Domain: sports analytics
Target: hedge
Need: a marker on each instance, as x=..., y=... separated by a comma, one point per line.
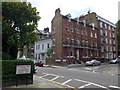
x=9, y=69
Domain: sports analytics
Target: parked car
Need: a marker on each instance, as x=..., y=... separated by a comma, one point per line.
x=93, y=62
x=40, y=64
x=114, y=61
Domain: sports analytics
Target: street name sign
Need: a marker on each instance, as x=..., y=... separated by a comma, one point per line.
x=23, y=69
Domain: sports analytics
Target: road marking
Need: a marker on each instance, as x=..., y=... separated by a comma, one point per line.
x=55, y=82
x=55, y=78
x=44, y=75
x=67, y=81
x=88, y=68
x=81, y=80
x=84, y=85
x=92, y=83
x=100, y=86
x=73, y=69
x=114, y=87
x=53, y=74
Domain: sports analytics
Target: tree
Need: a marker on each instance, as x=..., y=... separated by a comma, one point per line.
x=118, y=26
x=19, y=20
x=49, y=52
x=118, y=35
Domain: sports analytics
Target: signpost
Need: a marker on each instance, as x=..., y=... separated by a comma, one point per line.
x=23, y=69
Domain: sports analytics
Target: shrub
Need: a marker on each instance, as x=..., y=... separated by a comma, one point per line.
x=9, y=69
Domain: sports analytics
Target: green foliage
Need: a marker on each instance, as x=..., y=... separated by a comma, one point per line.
x=118, y=26
x=6, y=56
x=49, y=52
x=19, y=20
x=9, y=69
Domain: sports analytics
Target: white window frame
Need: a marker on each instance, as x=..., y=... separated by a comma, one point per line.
x=105, y=33
x=114, y=42
x=95, y=35
x=91, y=34
x=101, y=32
x=106, y=40
x=113, y=35
x=109, y=34
x=109, y=27
x=101, y=24
x=106, y=48
x=113, y=29
x=110, y=48
x=110, y=41
x=105, y=26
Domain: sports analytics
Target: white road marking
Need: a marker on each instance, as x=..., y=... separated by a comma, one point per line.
x=100, y=86
x=88, y=68
x=55, y=78
x=92, y=83
x=44, y=75
x=67, y=81
x=73, y=69
x=84, y=85
x=81, y=80
x=114, y=87
x=53, y=74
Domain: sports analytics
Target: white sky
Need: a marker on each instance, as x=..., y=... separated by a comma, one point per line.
x=107, y=9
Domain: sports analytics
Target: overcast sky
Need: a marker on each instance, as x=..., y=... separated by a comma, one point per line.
x=107, y=9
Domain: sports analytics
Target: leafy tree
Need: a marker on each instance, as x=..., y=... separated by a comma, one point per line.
x=19, y=20
x=118, y=35
x=49, y=52
x=118, y=26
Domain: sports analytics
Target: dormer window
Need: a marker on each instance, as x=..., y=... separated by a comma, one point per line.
x=69, y=17
x=77, y=19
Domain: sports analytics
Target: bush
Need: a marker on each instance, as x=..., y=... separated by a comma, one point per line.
x=9, y=69
x=6, y=56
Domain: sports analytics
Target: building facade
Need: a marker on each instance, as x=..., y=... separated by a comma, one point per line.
x=40, y=50
x=73, y=39
x=108, y=41
x=42, y=35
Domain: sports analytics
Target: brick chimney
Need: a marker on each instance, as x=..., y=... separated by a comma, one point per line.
x=57, y=12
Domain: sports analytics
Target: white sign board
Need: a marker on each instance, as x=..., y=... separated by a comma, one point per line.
x=64, y=60
x=23, y=69
x=58, y=60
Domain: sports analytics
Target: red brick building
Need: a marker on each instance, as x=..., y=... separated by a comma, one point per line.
x=108, y=41
x=74, y=40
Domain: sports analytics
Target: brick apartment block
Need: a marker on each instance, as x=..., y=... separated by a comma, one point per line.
x=84, y=38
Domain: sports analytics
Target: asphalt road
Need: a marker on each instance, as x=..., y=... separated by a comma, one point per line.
x=83, y=77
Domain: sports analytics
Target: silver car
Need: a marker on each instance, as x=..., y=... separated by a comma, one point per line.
x=93, y=62
x=114, y=61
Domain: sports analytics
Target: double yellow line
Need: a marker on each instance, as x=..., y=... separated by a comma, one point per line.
x=68, y=86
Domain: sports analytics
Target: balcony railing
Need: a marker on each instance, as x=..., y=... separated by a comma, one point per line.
x=66, y=44
x=76, y=45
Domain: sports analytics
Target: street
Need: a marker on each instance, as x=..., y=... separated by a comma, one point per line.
x=104, y=76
